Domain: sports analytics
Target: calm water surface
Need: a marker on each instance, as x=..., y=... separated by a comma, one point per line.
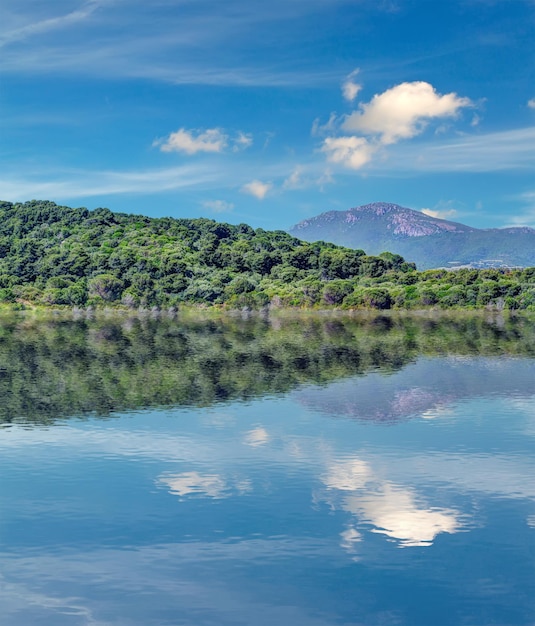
x=390, y=483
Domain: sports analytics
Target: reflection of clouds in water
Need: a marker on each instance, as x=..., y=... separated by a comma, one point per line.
x=192, y=482
x=350, y=538
x=216, y=419
x=531, y=521
x=439, y=411
x=210, y=485
x=294, y=449
x=348, y=475
x=391, y=509
x=25, y=605
x=257, y=437
x=526, y=408
x=190, y=583
x=494, y=474
x=394, y=512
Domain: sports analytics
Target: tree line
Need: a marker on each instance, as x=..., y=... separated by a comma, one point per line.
x=56, y=255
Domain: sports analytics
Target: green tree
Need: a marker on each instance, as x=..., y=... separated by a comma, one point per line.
x=106, y=286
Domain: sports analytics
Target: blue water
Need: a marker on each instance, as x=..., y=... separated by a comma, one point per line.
x=405, y=498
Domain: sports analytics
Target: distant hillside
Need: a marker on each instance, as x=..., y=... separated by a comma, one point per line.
x=51, y=254
x=425, y=240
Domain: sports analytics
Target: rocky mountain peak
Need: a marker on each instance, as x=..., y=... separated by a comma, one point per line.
x=426, y=240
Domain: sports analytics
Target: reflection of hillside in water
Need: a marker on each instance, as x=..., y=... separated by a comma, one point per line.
x=425, y=388
x=60, y=366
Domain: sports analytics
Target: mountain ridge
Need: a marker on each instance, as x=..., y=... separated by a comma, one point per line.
x=429, y=241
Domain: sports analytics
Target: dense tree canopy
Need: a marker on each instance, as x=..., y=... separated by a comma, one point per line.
x=57, y=255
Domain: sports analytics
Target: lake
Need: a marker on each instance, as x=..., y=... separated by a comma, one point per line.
x=299, y=470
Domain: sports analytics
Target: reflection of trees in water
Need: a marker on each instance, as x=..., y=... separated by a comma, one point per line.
x=60, y=367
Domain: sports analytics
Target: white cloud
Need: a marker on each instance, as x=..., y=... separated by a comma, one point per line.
x=191, y=141
x=531, y=103
x=353, y=152
x=403, y=111
x=351, y=89
x=218, y=206
x=441, y=215
x=209, y=140
x=318, y=129
x=257, y=188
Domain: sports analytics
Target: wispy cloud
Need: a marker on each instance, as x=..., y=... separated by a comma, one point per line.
x=219, y=179
x=174, y=41
x=350, y=89
x=295, y=179
x=504, y=151
x=531, y=103
x=45, y=25
x=490, y=152
x=526, y=216
x=321, y=130
x=303, y=177
x=82, y=184
x=242, y=141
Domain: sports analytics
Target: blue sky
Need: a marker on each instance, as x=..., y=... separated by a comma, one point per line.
x=271, y=112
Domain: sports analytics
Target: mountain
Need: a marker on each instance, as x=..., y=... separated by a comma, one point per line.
x=427, y=241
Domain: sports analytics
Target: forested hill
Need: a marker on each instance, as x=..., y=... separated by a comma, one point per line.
x=56, y=255
x=53, y=254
